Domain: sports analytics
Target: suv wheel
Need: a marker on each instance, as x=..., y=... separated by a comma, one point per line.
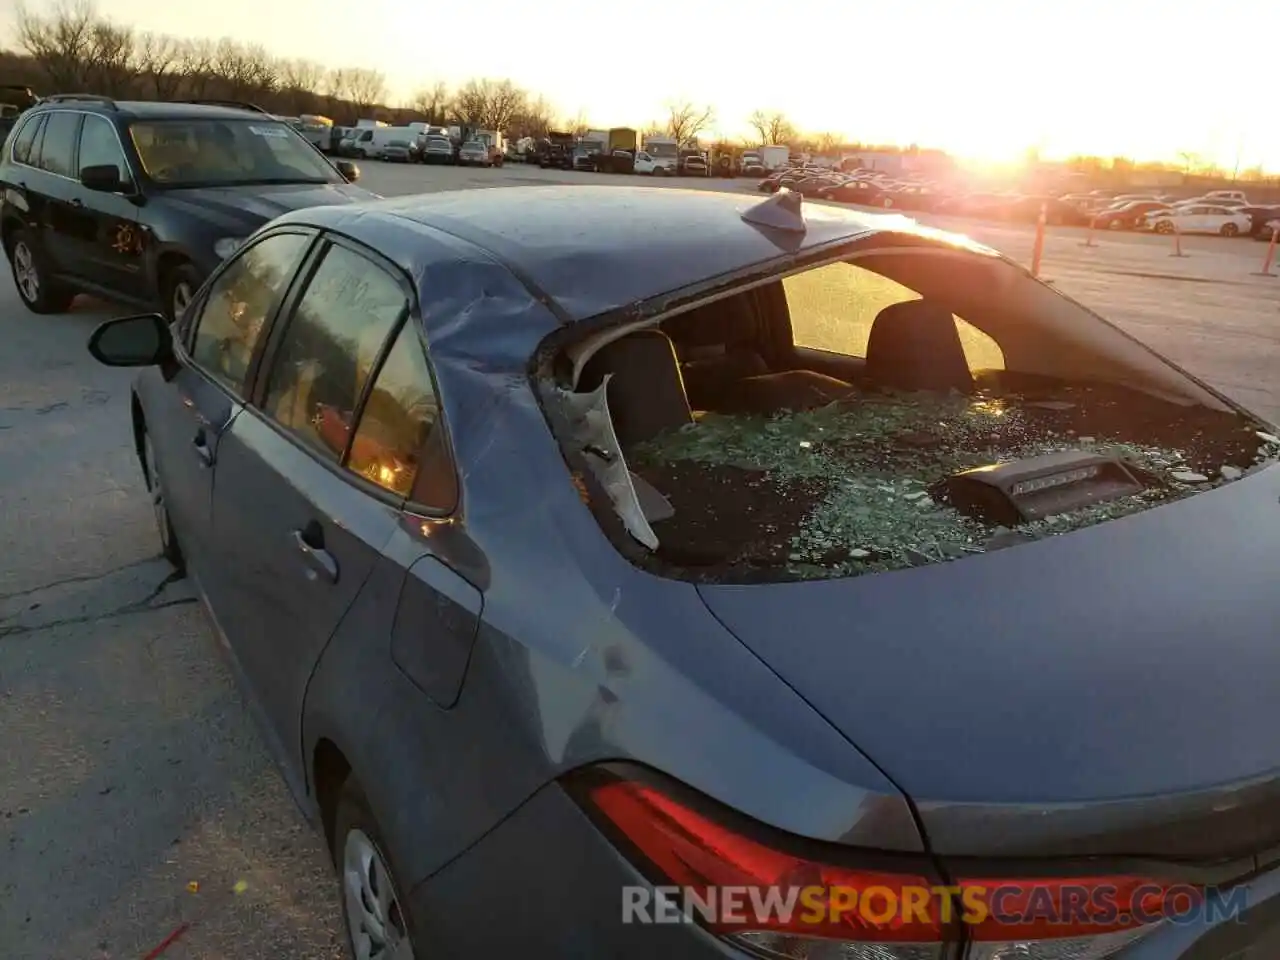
x=39, y=292
x=178, y=289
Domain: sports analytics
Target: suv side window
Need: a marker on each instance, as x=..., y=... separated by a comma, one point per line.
x=329, y=348
x=100, y=147
x=58, y=148
x=396, y=422
x=25, y=139
x=240, y=302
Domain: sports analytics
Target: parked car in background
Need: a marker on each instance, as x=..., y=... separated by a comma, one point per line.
x=474, y=153
x=694, y=164
x=630, y=658
x=138, y=202
x=399, y=151
x=1199, y=218
x=436, y=149
x=1127, y=216
x=648, y=164
x=1265, y=230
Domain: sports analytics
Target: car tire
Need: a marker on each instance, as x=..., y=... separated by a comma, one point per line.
x=367, y=885
x=1164, y=226
x=659, y=171
x=170, y=549
x=38, y=292
x=1229, y=230
x=178, y=287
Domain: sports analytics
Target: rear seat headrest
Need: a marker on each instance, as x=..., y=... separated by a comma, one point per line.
x=915, y=345
x=646, y=393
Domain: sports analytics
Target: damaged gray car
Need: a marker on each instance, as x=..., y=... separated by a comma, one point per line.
x=601, y=541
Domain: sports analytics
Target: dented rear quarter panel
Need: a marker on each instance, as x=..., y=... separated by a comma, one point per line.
x=581, y=657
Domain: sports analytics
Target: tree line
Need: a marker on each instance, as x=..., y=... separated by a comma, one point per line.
x=74, y=49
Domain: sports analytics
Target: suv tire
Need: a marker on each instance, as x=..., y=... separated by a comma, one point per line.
x=39, y=292
x=178, y=287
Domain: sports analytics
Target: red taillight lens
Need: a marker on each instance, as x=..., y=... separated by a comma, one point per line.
x=786, y=893
x=790, y=896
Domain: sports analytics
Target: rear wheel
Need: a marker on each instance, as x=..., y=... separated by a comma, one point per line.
x=1164, y=226
x=40, y=293
x=378, y=926
x=1229, y=230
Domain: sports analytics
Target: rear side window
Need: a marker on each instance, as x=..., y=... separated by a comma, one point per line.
x=832, y=309
x=240, y=302
x=399, y=417
x=58, y=147
x=330, y=347
x=26, y=138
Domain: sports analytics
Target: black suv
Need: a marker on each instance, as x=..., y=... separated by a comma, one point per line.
x=138, y=202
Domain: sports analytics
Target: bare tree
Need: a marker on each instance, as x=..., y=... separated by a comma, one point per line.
x=826, y=143
x=491, y=104
x=772, y=127
x=111, y=63
x=533, y=121
x=159, y=64
x=243, y=72
x=685, y=121
x=301, y=81
x=432, y=102
x=59, y=43
x=365, y=88
x=195, y=64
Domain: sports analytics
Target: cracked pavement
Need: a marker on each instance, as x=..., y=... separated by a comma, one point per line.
x=129, y=766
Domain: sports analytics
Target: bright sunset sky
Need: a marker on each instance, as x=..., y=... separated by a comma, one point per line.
x=985, y=79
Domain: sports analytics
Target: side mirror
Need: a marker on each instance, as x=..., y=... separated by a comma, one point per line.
x=350, y=172
x=103, y=179
x=144, y=340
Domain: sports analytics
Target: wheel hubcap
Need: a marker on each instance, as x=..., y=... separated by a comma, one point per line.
x=25, y=273
x=374, y=918
x=157, y=494
x=181, y=298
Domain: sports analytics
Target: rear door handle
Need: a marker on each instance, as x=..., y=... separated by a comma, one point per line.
x=203, y=450
x=320, y=562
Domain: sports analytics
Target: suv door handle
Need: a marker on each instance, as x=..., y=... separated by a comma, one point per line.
x=203, y=450
x=320, y=562
x=77, y=202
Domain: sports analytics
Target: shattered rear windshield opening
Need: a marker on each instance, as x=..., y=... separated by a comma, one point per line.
x=823, y=454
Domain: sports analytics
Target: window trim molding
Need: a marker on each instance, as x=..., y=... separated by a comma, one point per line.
x=255, y=399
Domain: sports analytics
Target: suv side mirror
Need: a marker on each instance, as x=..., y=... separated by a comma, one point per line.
x=104, y=178
x=144, y=340
x=350, y=172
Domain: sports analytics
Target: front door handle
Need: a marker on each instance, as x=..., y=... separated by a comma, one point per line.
x=203, y=450
x=319, y=561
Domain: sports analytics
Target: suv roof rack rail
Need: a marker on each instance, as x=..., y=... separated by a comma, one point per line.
x=79, y=97
x=237, y=104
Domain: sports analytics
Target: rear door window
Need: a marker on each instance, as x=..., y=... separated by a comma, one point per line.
x=330, y=347
x=58, y=146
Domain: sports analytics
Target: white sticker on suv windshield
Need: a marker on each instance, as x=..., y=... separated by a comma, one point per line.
x=269, y=131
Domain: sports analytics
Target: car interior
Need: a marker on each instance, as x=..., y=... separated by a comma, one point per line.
x=736, y=356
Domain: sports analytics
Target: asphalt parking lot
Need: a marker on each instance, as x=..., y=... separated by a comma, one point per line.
x=129, y=768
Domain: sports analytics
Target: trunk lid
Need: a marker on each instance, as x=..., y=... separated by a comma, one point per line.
x=1114, y=690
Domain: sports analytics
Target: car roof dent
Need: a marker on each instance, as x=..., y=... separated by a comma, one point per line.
x=591, y=428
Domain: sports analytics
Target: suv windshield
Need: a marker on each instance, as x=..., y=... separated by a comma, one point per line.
x=190, y=153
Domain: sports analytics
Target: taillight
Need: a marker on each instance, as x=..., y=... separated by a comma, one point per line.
x=781, y=902
x=778, y=903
